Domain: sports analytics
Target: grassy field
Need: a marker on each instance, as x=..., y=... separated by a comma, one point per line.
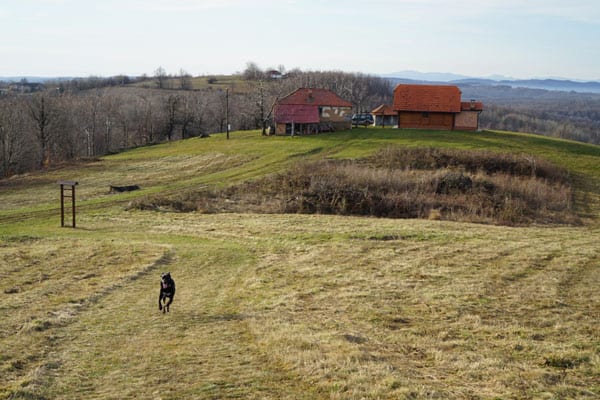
x=292, y=306
x=235, y=83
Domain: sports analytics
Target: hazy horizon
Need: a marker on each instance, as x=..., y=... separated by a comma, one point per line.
x=407, y=74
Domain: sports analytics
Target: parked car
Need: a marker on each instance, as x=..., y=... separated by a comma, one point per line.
x=362, y=119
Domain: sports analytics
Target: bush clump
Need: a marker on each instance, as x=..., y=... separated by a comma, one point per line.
x=427, y=158
x=453, y=182
x=401, y=183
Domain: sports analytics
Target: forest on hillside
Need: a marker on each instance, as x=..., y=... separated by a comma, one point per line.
x=66, y=120
x=86, y=118
x=566, y=115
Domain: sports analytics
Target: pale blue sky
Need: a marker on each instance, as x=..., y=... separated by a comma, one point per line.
x=517, y=38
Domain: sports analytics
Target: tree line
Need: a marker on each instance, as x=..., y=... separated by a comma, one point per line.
x=81, y=118
x=556, y=119
x=42, y=129
x=566, y=115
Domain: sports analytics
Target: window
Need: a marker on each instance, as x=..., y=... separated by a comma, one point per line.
x=425, y=114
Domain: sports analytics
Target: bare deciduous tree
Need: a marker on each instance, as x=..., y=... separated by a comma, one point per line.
x=160, y=75
x=43, y=115
x=265, y=104
x=253, y=72
x=187, y=114
x=12, y=138
x=185, y=80
x=171, y=110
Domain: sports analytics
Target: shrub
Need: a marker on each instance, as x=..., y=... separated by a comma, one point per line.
x=453, y=182
x=471, y=161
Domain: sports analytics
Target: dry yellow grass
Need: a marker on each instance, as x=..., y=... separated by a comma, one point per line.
x=47, y=283
x=294, y=306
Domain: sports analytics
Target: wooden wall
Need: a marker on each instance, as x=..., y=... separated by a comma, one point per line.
x=340, y=118
x=467, y=121
x=421, y=120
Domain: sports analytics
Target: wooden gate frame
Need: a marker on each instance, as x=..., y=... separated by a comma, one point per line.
x=63, y=188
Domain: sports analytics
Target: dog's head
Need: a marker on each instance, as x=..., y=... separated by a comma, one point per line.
x=165, y=279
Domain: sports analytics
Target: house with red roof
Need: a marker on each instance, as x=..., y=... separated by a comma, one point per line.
x=435, y=107
x=310, y=110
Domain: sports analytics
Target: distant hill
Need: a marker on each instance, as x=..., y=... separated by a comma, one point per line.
x=555, y=84
x=563, y=85
x=545, y=84
x=426, y=76
x=31, y=79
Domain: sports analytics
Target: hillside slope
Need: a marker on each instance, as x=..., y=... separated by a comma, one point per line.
x=216, y=161
x=292, y=306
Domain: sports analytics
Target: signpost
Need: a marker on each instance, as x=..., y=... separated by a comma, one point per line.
x=66, y=186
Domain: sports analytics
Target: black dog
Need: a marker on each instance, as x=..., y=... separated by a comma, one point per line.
x=167, y=292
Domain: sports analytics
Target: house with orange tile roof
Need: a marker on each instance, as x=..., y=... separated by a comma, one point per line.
x=311, y=110
x=435, y=107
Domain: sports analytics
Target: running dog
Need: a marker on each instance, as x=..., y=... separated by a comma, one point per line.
x=167, y=292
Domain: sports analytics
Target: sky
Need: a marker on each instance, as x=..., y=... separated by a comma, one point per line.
x=514, y=38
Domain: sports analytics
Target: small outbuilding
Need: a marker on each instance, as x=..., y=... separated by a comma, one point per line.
x=311, y=110
x=468, y=118
x=274, y=74
x=385, y=115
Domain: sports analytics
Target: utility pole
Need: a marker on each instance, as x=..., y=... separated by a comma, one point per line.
x=227, y=112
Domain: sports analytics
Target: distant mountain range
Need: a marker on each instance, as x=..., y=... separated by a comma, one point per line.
x=556, y=84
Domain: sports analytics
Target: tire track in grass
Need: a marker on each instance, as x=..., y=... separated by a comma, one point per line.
x=123, y=347
x=35, y=371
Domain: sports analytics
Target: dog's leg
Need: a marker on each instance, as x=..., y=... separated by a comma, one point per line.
x=168, y=301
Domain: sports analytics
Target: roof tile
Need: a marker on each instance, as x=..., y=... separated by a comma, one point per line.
x=429, y=98
x=471, y=106
x=297, y=113
x=383, y=109
x=313, y=96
